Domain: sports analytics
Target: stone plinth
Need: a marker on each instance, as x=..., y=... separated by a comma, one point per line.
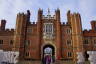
x=92, y=57
x=80, y=58
x=9, y=57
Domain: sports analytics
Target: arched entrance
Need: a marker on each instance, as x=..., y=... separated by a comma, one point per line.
x=48, y=50
x=86, y=56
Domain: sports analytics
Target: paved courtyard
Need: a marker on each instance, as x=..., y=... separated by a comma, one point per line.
x=57, y=62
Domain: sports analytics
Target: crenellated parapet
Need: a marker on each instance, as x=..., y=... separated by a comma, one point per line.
x=4, y=31
x=56, y=16
x=92, y=31
x=33, y=23
x=89, y=33
x=73, y=16
x=7, y=32
x=65, y=24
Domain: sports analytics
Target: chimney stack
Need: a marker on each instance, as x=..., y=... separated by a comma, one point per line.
x=3, y=24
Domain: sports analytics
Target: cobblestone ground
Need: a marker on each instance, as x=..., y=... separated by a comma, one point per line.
x=57, y=62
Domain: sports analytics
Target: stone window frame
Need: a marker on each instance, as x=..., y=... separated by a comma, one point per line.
x=86, y=41
x=68, y=30
x=48, y=28
x=27, y=54
x=69, y=54
x=69, y=44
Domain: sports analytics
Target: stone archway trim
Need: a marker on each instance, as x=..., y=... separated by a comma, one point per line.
x=45, y=45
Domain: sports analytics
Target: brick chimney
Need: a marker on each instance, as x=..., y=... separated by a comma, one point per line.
x=93, y=25
x=3, y=24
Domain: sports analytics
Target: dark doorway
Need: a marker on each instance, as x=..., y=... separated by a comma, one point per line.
x=86, y=56
x=48, y=50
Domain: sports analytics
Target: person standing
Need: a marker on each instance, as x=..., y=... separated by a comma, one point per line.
x=49, y=59
x=43, y=60
x=53, y=58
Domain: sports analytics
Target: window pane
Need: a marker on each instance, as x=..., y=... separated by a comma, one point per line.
x=69, y=54
x=1, y=41
x=48, y=27
x=11, y=42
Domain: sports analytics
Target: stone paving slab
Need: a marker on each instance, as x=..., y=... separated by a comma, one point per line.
x=57, y=62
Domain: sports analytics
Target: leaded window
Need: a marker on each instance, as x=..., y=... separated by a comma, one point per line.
x=69, y=54
x=48, y=28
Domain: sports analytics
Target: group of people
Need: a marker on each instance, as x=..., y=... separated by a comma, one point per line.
x=48, y=59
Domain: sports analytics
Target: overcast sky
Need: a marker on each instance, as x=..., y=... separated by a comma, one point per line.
x=9, y=9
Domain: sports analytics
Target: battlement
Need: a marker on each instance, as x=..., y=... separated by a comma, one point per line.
x=64, y=23
x=8, y=30
x=56, y=16
x=34, y=23
x=71, y=13
x=93, y=26
x=20, y=14
x=71, y=16
x=88, y=31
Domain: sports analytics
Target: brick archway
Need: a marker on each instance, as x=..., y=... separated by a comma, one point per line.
x=50, y=46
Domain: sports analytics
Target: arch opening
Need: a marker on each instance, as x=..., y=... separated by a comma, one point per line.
x=48, y=50
x=86, y=56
